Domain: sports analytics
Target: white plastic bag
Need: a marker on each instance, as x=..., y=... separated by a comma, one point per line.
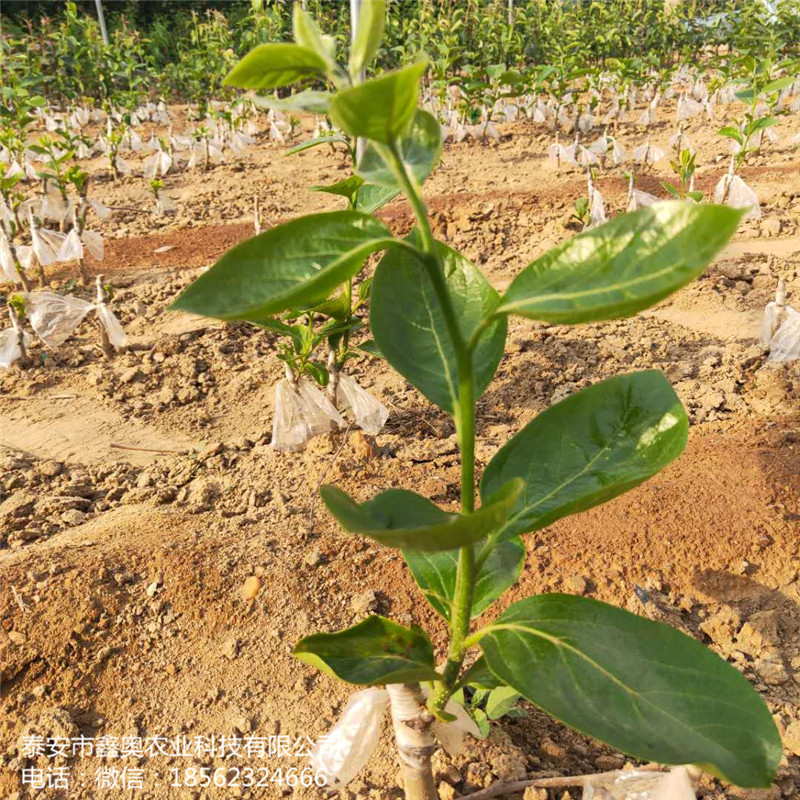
x=54, y=317
x=785, y=344
x=734, y=192
x=597, y=208
x=640, y=199
x=643, y=785
x=116, y=335
x=94, y=243
x=300, y=414
x=369, y=413
x=8, y=269
x=71, y=248
x=9, y=346
x=647, y=154
x=341, y=754
x=46, y=245
x=451, y=734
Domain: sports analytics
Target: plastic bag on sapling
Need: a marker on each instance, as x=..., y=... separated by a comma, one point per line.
x=300, y=414
x=72, y=247
x=116, y=335
x=9, y=346
x=8, y=268
x=340, y=755
x=94, y=243
x=369, y=413
x=785, y=344
x=46, y=245
x=54, y=317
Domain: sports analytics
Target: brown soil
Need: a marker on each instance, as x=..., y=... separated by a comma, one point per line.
x=121, y=612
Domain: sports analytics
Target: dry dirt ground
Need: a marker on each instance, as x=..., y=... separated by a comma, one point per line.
x=121, y=613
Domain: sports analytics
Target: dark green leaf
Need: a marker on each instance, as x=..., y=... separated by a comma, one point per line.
x=589, y=448
x=376, y=651
x=641, y=686
x=345, y=188
x=408, y=323
x=622, y=267
x=778, y=85
x=435, y=574
x=480, y=675
x=289, y=265
x=382, y=108
x=399, y=518
x=269, y=66
x=420, y=148
x=371, y=348
x=369, y=32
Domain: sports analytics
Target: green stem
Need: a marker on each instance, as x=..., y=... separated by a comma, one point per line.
x=464, y=416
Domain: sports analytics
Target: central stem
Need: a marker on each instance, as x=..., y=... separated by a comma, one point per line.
x=464, y=417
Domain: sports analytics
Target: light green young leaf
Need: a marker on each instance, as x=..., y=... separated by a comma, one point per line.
x=500, y=701
x=420, y=149
x=348, y=187
x=382, y=108
x=589, y=448
x=408, y=323
x=369, y=33
x=269, y=66
x=399, y=518
x=308, y=100
x=622, y=267
x=377, y=651
x=641, y=686
x=307, y=34
x=370, y=198
x=290, y=265
x=435, y=574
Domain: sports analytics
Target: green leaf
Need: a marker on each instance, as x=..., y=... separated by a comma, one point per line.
x=420, y=149
x=382, y=108
x=500, y=701
x=290, y=265
x=307, y=34
x=307, y=145
x=778, y=85
x=345, y=188
x=408, y=323
x=731, y=132
x=399, y=518
x=376, y=651
x=761, y=123
x=369, y=32
x=480, y=675
x=370, y=198
x=589, y=448
x=308, y=100
x=641, y=686
x=435, y=574
x=370, y=348
x=622, y=267
x=269, y=66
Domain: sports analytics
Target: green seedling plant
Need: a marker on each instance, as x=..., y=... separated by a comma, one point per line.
x=639, y=685
x=684, y=168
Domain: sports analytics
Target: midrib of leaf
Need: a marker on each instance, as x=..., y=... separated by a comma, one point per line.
x=562, y=646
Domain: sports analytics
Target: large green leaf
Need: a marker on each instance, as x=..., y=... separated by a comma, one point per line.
x=590, y=447
x=435, y=574
x=641, y=686
x=479, y=675
x=621, y=267
x=290, y=265
x=399, y=518
x=408, y=323
x=369, y=32
x=376, y=651
x=382, y=108
x=420, y=149
x=269, y=66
